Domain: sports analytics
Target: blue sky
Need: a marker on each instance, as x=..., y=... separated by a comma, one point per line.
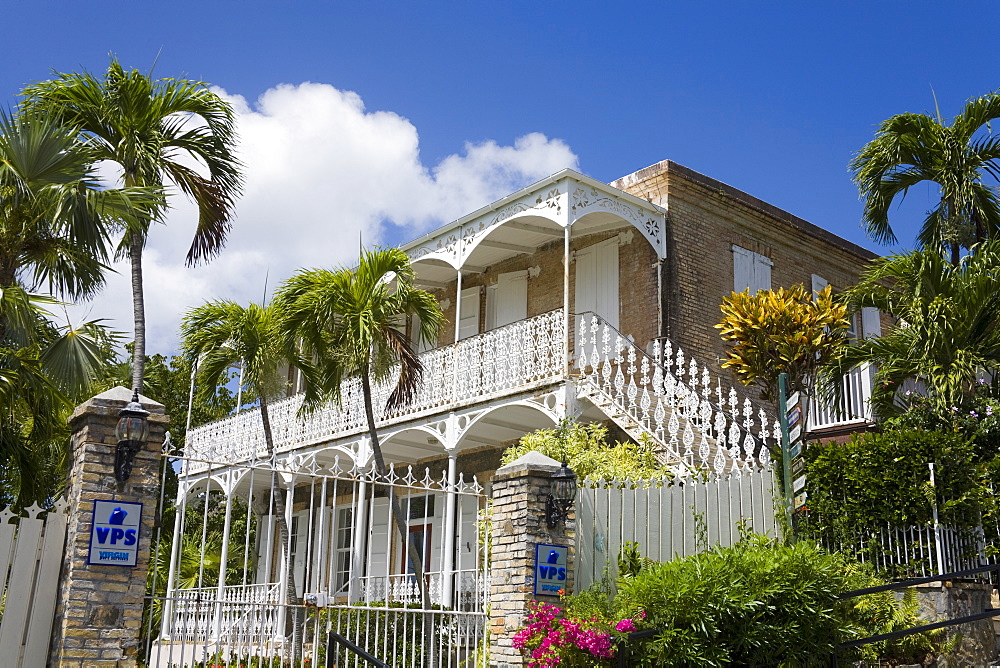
x=772, y=98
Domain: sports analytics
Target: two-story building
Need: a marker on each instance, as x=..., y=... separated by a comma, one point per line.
x=568, y=298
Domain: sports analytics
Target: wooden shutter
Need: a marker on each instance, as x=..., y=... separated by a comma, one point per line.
x=469, y=323
x=742, y=269
x=871, y=324
x=818, y=283
x=597, y=280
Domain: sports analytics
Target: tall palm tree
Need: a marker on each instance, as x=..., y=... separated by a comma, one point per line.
x=947, y=330
x=222, y=334
x=343, y=323
x=913, y=148
x=150, y=128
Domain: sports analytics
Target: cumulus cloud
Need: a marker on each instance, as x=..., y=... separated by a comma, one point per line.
x=322, y=172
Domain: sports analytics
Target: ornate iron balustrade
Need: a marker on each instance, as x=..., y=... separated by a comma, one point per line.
x=243, y=614
x=852, y=406
x=502, y=360
x=675, y=400
x=470, y=590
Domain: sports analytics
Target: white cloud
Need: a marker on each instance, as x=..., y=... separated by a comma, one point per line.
x=320, y=171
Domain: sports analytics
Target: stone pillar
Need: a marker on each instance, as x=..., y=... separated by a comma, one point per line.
x=99, y=610
x=518, y=523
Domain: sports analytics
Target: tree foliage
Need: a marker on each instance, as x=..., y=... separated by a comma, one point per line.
x=152, y=129
x=947, y=328
x=781, y=331
x=585, y=448
x=909, y=149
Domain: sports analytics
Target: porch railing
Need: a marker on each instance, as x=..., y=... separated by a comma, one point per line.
x=677, y=401
x=502, y=360
x=853, y=404
x=469, y=589
x=243, y=614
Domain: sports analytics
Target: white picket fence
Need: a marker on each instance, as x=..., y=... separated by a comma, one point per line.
x=31, y=550
x=667, y=519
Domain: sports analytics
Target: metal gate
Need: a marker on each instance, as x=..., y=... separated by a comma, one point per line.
x=234, y=585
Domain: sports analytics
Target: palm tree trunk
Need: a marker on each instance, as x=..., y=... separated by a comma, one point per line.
x=397, y=512
x=290, y=594
x=138, y=312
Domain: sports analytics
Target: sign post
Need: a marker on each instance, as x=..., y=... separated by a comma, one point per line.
x=550, y=569
x=792, y=420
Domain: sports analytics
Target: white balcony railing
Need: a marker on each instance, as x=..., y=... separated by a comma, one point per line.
x=247, y=614
x=853, y=405
x=469, y=589
x=500, y=361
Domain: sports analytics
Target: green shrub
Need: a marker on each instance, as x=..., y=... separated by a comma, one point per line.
x=585, y=448
x=758, y=602
x=879, y=478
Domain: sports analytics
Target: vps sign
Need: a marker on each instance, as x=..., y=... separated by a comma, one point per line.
x=550, y=569
x=114, y=534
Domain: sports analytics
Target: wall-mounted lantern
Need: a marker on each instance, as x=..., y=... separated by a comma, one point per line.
x=562, y=492
x=132, y=432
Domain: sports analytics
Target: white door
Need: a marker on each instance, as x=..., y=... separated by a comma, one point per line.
x=597, y=280
x=507, y=301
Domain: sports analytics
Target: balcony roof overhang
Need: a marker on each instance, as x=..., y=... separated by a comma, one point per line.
x=530, y=218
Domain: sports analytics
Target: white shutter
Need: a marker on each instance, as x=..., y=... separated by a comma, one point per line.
x=750, y=270
x=468, y=324
x=378, y=543
x=742, y=269
x=818, y=283
x=507, y=301
x=761, y=273
x=415, y=342
x=586, y=281
x=597, y=280
x=871, y=325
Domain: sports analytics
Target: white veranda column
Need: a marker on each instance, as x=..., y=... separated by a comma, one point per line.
x=286, y=554
x=448, y=563
x=568, y=322
x=223, y=557
x=358, y=543
x=175, y=549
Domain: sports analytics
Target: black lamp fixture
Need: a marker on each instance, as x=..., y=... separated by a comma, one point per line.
x=132, y=432
x=562, y=492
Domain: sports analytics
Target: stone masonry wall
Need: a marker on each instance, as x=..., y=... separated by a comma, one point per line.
x=99, y=610
x=518, y=523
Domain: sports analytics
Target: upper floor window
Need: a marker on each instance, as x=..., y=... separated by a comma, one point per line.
x=750, y=270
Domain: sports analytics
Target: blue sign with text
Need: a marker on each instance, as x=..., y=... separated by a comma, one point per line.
x=550, y=569
x=114, y=533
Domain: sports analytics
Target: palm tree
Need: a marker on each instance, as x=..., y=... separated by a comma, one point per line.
x=222, y=334
x=947, y=330
x=913, y=148
x=54, y=219
x=149, y=128
x=44, y=371
x=343, y=323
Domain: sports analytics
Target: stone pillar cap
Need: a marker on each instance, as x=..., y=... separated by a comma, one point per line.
x=116, y=398
x=530, y=461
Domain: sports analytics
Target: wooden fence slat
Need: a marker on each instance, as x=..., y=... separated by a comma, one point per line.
x=585, y=553
x=43, y=606
x=16, y=610
x=6, y=544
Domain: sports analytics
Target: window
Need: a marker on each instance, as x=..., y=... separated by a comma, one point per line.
x=750, y=270
x=344, y=537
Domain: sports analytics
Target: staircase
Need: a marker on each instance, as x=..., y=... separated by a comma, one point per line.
x=696, y=422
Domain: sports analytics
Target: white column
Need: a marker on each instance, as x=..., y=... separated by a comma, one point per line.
x=175, y=549
x=448, y=560
x=358, y=542
x=568, y=326
x=286, y=554
x=223, y=559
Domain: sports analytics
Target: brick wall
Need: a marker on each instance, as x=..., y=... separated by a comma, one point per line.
x=705, y=219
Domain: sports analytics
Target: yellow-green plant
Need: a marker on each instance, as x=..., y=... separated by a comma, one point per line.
x=788, y=330
x=584, y=447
